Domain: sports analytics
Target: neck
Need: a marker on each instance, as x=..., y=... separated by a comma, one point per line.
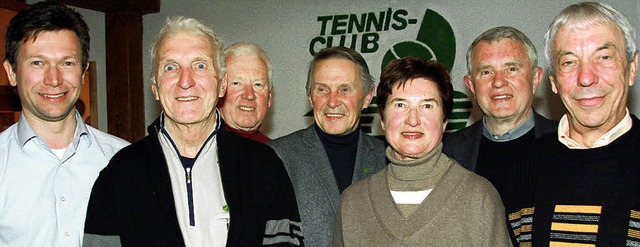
x=56, y=134
x=418, y=174
x=588, y=136
x=503, y=125
x=189, y=138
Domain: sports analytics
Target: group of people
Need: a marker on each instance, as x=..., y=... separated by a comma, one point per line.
x=206, y=176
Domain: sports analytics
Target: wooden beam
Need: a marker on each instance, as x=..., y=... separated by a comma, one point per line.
x=12, y=5
x=142, y=7
x=125, y=84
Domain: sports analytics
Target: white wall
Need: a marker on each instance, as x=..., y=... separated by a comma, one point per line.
x=285, y=28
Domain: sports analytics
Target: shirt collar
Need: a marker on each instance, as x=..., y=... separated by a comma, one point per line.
x=611, y=135
x=216, y=127
x=510, y=135
x=26, y=133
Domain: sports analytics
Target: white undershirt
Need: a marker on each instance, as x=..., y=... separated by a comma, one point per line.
x=59, y=152
x=410, y=197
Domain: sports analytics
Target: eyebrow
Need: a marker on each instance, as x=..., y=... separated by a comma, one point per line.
x=605, y=46
x=423, y=100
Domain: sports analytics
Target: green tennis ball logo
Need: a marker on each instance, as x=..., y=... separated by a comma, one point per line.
x=409, y=48
x=435, y=41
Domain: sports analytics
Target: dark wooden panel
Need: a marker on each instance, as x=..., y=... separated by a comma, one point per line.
x=139, y=6
x=125, y=92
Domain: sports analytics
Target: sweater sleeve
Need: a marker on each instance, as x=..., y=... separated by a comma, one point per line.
x=496, y=229
x=283, y=225
x=100, y=224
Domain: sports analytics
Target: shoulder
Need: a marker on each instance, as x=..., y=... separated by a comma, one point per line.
x=371, y=140
x=109, y=143
x=362, y=186
x=476, y=186
x=244, y=151
x=544, y=124
x=291, y=140
x=135, y=152
x=453, y=138
x=6, y=135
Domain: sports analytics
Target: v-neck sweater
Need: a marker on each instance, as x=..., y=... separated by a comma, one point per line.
x=463, y=209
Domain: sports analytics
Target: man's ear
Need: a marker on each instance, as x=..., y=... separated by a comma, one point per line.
x=154, y=89
x=368, y=98
x=223, y=86
x=469, y=84
x=11, y=75
x=552, y=81
x=537, y=77
x=633, y=68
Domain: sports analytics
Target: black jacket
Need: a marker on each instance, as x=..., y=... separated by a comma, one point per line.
x=132, y=197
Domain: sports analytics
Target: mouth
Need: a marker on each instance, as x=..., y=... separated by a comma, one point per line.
x=246, y=108
x=502, y=96
x=591, y=101
x=334, y=115
x=52, y=96
x=186, y=98
x=411, y=134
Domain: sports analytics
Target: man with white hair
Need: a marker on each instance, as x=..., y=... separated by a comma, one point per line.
x=248, y=95
x=190, y=182
x=581, y=186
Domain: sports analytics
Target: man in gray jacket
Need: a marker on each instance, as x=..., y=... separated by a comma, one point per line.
x=328, y=156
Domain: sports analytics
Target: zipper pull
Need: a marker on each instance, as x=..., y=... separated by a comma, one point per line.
x=188, y=175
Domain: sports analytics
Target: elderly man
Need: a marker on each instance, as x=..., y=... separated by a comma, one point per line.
x=325, y=158
x=503, y=74
x=580, y=187
x=49, y=159
x=249, y=87
x=191, y=182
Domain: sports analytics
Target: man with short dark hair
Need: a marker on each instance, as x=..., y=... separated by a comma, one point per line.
x=328, y=156
x=580, y=186
x=49, y=159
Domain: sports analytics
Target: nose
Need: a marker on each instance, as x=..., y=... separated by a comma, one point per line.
x=248, y=92
x=52, y=76
x=333, y=101
x=186, y=80
x=412, y=119
x=498, y=80
x=586, y=77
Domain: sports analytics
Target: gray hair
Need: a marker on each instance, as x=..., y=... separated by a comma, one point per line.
x=181, y=24
x=586, y=14
x=500, y=33
x=248, y=48
x=343, y=53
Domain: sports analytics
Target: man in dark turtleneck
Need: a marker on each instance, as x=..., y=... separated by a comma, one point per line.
x=328, y=156
x=503, y=75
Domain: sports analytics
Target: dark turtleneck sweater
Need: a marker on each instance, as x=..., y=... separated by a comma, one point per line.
x=341, y=151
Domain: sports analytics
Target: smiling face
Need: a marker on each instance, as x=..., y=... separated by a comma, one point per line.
x=49, y=75
x=414, y=119
x=502, y=80
x=187, y=84
x=337, y=96
x=592, y=75
x=248, y=95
